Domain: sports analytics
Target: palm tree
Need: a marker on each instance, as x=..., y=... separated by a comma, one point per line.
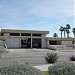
x=64, y=29
x=61, y=29
x=55, y=35
x=67, y=30
x=68, y=26
x=73, y=32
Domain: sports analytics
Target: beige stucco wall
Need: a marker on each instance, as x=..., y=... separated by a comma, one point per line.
x=44, y=44
x=67, y=43
x=7, y=39
x=1, y=42
x=9, y=44
x=14, y=42
x=6, y=34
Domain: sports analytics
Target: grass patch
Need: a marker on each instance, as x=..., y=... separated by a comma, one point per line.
x=45, y=72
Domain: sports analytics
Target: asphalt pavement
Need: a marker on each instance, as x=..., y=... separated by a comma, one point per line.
x=32, y=56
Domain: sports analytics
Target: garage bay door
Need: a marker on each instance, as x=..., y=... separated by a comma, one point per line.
x=14, y=42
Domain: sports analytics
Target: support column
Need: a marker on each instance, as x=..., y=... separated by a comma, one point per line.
x=43, y=42
x=74, y=44
x=31, y=40
x=20, y=40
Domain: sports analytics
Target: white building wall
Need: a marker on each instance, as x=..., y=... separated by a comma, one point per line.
x=44, y=44
x=14, y=42
x=7, y=39
x=48, y=45
x=7, y=42
x=67, y=43
x=1, y=42
x=31, y=40
x=74, y=44
x=6, y=34
x=43, y=35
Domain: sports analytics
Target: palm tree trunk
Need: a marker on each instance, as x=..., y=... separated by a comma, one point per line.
x=67, y=35
x=64, y=34
x=61, y=34
x=74, y=35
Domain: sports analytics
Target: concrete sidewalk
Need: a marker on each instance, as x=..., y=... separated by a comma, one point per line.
x=43, y=67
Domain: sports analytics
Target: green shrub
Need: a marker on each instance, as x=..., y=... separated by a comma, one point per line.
x=19, y=69
x=72, y=58
x=62, y=68
x=51, y=57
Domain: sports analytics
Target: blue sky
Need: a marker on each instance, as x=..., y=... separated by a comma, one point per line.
x=37, y=15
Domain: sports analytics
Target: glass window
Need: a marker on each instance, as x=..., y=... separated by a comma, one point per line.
x=2, y=34
x=39, y=35
x=54, y=42
x=25, y=42
x=25, y=34
x=14, y=34
x=36, y=43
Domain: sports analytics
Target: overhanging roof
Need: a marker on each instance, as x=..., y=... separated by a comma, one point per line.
x=3, y=37
x=60, y=39
x=23, y=31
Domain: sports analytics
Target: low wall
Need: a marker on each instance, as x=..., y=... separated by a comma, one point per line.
x=2, y=48
x=67, y=43
x=51, y=47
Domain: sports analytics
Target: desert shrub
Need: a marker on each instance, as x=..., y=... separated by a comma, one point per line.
x=19, y=69
x=62, y=68
x=72, y=58
x=51, y=57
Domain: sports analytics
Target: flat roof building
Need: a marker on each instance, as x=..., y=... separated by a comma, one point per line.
x=31, y=39
x=25, y=38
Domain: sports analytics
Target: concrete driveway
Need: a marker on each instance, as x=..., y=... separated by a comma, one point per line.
x=32, y=56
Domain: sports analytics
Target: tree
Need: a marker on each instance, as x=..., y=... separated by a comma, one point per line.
x=73, y=32
x=61, y=29
x=67, y=30
x=64, y=29
x=55, y=35
x=68, y=26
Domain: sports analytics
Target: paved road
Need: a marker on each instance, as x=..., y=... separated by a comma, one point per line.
x=32, y=56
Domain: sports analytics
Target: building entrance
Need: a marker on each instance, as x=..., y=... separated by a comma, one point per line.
x=25, y=42
x=36, y=43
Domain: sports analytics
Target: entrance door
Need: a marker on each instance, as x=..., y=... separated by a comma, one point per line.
x=36, y=43
x=26, y=43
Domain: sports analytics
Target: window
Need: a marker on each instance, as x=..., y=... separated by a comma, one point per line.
x=2, y=34
x=25, y=42
x=36, y=43
x=54, y=42
x=14, y=34
x=39, y=35
x=25, y=34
